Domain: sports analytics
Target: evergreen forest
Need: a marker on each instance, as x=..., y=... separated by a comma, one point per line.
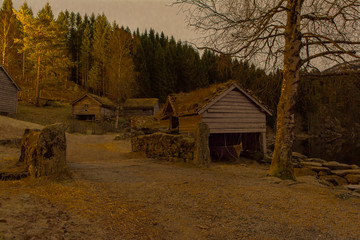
x=43, y=52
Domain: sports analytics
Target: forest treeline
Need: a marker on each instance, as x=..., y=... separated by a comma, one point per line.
x=42, y=51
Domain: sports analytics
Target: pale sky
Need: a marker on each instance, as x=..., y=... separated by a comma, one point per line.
x=157, y=14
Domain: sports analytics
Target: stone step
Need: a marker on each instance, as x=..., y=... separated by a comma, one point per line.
x=353, y=187
x=311, y=164
x=334, y=179
x=315, y=160
x=336, y=166
x=343, y=173
x=353, y=178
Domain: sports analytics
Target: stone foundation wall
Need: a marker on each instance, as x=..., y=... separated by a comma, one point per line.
x=169, y=147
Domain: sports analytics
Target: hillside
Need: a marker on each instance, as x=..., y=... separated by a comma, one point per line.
x=14, y=129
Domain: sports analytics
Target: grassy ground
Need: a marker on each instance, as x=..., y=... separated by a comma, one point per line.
x=43, y=115
x=61, y=113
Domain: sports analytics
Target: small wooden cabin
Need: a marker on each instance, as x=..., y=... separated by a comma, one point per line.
x=234, y=116
x=8, y=93
x=141, y=106
x=93, y=107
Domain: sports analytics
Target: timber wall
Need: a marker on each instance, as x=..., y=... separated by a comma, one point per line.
x=235, y=113
x=8, y=95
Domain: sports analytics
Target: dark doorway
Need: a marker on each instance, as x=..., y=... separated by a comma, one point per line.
x=225, y=146
x=90, y=117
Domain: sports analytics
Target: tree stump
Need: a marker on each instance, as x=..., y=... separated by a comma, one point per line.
x=43, y=153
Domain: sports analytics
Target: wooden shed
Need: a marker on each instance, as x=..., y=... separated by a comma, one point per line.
x=93, y=107
x=8, y=93
x=141, y=106
x=234, y=116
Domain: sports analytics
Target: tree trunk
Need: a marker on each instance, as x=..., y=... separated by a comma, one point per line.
x=23, y=66
x=37, y=89
x=281, y=165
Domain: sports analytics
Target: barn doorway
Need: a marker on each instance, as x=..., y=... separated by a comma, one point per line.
x=225, y=146
x=229, y=146
x=90, y=117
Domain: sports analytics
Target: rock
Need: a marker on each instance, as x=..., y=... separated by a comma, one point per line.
x=355, y=166
x=336, y=166
x=324, y=170
x=304, y=172
x=353, y=178
x=315, y=160
x=334, y=179
x=343, y=173
x=298, y=156
x=353, y=187
x=267, y=158
x=312, y=164
x=322, y=173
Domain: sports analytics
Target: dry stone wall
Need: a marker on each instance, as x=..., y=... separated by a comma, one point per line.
x=169, y=147
x=176, y=147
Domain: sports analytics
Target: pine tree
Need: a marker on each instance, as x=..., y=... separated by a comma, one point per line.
x=98, y=74
x=44, y=40
x=85, y=56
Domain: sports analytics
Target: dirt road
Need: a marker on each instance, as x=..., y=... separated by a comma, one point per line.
x=116, y=194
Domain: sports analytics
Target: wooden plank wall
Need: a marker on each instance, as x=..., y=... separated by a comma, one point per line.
x=235, y=113
x=189, y=123
x=92, y=109
x=8, y=95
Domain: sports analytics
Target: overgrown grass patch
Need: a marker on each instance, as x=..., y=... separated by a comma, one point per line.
x=44, y=115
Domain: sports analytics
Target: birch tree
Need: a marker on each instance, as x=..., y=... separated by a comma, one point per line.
x=122, y=83
x=8, y=33
x=293, y=34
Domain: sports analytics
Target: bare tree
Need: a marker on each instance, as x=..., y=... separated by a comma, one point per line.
x=296, y=34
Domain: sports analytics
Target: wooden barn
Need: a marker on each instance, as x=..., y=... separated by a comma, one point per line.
x=8, y=93
x=141, y=106
x=234, y=116
x=92, y=107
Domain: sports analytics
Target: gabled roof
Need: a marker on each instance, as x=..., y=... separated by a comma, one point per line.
x=198, y=101
x=10, y=78
x=141, y=103
x=105, y=102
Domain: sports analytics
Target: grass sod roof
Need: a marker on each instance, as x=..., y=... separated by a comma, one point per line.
x=105, y=102
x=186, y=104
x=140, y=103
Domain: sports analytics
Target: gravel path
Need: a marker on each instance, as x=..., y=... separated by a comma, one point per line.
x=116, y=194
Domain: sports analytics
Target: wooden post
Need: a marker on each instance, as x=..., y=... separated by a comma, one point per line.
x=263, y=142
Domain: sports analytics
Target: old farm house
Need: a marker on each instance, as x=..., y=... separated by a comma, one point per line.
x=141, y=106
x=234, y=116
x=92, y=107
x=8, y=93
